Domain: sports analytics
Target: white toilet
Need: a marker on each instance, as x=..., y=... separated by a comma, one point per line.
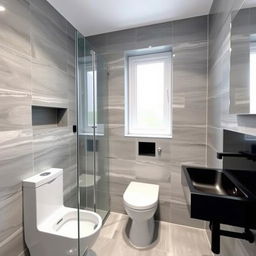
x=140, y=202
x=51, y=229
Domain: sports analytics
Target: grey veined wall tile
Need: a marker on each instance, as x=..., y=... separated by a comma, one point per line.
x=120, y=41
x=190, y=30
x=50, y=85
x=48, y=36
x=15, y=160
x=15, y=26
x=154, y=35
x=37, y=66
x=14, y=244
x=51, y=149
x=15, y=110
x=14, y=70
x=11, y=216
x=189, y=41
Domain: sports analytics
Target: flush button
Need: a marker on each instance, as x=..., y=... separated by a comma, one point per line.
x=45, y=174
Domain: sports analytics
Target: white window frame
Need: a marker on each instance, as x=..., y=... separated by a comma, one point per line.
x=130, y=102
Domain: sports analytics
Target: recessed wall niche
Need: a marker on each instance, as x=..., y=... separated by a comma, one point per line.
x=49, y=117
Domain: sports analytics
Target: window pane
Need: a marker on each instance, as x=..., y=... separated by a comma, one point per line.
x=150, y=95
x=90, y=99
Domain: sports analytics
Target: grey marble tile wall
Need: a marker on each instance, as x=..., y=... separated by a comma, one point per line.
x=37, y=66
x=188, y=39
x=218, y=102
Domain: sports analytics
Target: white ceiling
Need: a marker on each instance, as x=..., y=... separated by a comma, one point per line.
x=93, y=17
x=249, y=4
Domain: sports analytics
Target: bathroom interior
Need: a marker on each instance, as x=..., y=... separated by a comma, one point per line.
x=127, y=131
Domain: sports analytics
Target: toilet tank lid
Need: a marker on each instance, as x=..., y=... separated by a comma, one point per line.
x=42, y=178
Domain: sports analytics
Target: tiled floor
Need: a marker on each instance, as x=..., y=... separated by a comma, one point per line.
x=174, y=240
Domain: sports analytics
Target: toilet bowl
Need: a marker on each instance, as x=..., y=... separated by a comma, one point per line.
x=140, y=202
x=50, y=227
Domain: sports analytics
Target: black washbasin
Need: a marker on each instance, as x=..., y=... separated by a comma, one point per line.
x=216, y=195
x=214, y=182
x=246, y=177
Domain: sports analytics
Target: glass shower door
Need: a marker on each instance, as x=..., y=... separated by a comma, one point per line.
x=93, y=173
x=86, y=130
x=102, y=197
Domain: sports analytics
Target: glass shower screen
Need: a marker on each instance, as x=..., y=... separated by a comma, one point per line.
x=93, y=172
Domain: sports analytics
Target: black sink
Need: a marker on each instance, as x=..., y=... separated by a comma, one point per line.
x=246, y=177
x=216, y=195
x=214, y=182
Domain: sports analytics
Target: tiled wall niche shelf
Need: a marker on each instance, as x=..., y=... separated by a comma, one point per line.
x=49, y=117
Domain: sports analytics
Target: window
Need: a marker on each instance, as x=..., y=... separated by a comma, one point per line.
x=90, y=100
x=148, y=99
x=89, y=114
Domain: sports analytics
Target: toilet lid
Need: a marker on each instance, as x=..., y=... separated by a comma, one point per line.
x=141, y=196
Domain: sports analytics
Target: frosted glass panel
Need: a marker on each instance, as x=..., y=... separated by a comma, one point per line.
x=150, y=94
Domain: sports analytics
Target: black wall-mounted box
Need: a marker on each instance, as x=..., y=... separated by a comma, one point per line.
x=147, y=148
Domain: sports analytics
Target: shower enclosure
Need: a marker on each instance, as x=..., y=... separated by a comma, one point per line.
x=92, y=132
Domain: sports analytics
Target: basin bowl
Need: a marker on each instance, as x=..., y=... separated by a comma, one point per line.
x=214, y=182
x=216, y=195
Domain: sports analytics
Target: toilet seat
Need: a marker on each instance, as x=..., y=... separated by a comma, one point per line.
x=64, y=223
x=141, y=196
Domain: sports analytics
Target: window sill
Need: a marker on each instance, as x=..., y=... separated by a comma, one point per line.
x=149, y=136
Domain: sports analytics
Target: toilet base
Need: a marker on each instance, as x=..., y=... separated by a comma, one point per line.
x=141, y=233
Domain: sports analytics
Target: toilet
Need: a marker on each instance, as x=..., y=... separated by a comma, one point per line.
x=51, y=228
x=141, y=202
